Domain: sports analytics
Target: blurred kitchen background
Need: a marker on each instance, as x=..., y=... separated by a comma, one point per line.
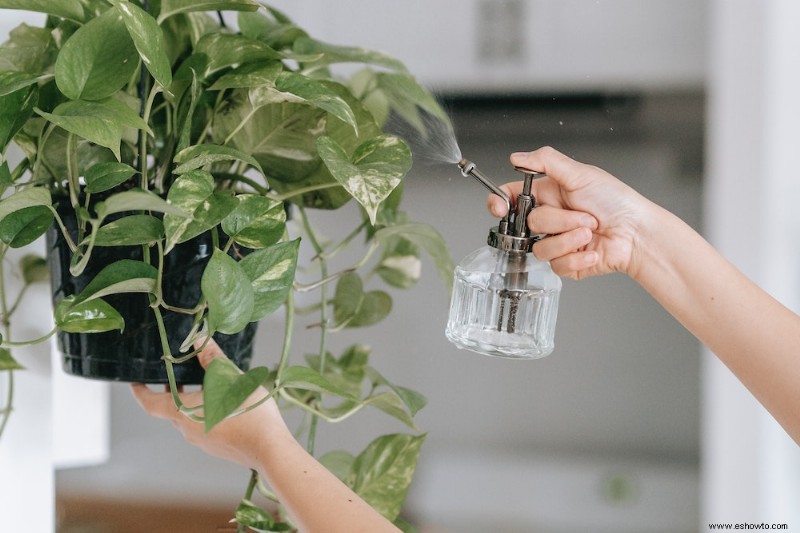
x=628, y=426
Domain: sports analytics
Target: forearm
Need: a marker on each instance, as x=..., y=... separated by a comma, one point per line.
x=752, y=333
x=315, y=499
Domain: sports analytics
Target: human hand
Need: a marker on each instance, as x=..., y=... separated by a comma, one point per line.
x=236, y=439
x=593, y=219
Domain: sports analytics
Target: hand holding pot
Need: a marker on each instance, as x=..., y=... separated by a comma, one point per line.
x=236, y=439
x=259, y=439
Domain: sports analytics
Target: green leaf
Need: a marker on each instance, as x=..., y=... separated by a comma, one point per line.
x=6, y=180
x=400, y=265
x=392, y=405
x=317, y=94
x=123, y=276
x=104, y=176
x=229, y=294
x=278, y=33
x=252, y=516
x=204, y=154
x=97, y=60
x=229, y=49
x=280, y=136
x=226, y=387
x=335, y=196
x=95, y=129
x=54, y=164
x=373, y=171
x=305, y=378
x=138, y=200
x=256, y=222
x=338, y=462
x=34, y=268
x=271, y=272
x=413, y=400
x=29, y=49
x=354, y=308
x=249, y=75
x=112, y=109
x=69, y=9
x=375, y=307
x=25, y=216
x=382, y=473
x=404, y=526
x=194, y=193
x=92, y=316
x=173, y=7
x=429, y=239
x=101, y=122
x=344, y=54
x=406, y=97
x=148, y=39
x=348, y=298
x=16, y=107
x=7, y=362
x=129, y=231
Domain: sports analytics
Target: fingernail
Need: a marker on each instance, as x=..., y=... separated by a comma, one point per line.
x=590, y=258
x=588, y=221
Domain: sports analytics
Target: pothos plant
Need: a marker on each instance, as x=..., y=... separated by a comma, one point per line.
x=153, y=123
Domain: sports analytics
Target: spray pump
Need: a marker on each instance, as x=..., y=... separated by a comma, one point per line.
x=505, y=301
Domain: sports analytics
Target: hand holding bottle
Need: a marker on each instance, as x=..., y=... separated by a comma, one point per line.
x=593, y=219
x=597, y=225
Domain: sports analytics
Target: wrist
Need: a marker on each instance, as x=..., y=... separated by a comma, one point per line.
x=652, y=234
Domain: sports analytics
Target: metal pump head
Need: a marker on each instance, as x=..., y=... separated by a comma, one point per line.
x=512, y=234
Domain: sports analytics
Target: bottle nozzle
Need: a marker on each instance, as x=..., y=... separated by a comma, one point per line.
x=468, y=168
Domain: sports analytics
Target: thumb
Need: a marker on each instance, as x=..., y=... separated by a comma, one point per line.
x=210, y=351
x=558, y=167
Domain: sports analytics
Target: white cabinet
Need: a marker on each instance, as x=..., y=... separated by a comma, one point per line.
x=524, y=46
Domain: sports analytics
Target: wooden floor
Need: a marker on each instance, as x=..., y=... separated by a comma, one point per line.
x=106, y=516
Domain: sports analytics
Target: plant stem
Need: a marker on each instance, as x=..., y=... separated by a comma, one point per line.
x=323, y=318
x=248, y=495
x=64, y=232
x=141, y=89
x=303, y=190
x=162, y=331
x=6, y=411
x=287, y=334
x=6, y=322
x=317, y=413
x=260, y=189
x=18, y=300
x=336, y=249
x=72, y=179
x=142, y=162
x=44, y=337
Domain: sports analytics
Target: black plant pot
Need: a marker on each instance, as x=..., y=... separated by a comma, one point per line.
x=135, y=355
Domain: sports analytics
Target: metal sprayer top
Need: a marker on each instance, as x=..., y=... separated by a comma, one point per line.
x=512, y=234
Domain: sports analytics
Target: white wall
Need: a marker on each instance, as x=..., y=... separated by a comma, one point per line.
x=751, y=468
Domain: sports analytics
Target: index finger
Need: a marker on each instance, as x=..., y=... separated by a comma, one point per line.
x=210, y=351
x=157, y=404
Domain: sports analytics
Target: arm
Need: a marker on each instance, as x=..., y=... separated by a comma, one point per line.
x=315, y=499
x=601, y=225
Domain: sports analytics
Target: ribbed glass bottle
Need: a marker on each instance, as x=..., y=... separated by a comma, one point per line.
x=504, y=304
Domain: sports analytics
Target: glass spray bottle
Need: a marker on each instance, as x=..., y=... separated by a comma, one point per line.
x=505, y=301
